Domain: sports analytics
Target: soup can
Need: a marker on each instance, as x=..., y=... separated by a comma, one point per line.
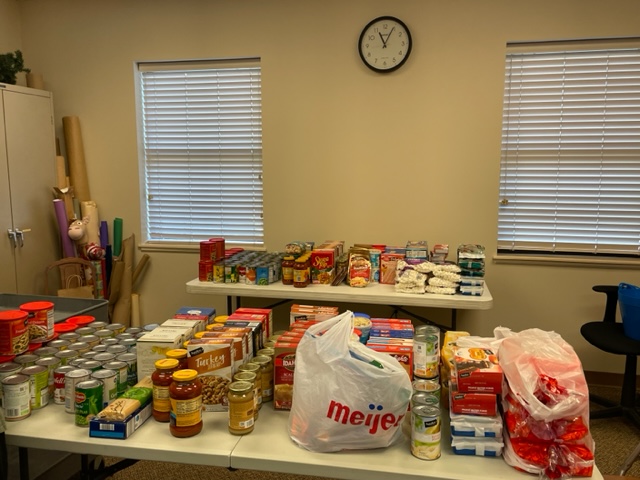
x=26, y=359
x=59, y=375
x=71, y=379
x=121, y=369
x=67, y=355
x=426, y=355
x=88, y=401
x=7, y=369
x=41, y=320
x=38, y=385
x=14, y=332
x=51, y=363
x=16, y=397
x=425, y=432
x=424, y=398
x=131, y=360
x=430, y=386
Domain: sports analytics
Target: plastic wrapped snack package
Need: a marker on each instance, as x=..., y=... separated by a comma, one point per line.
x=546, y=406
x=408, y=279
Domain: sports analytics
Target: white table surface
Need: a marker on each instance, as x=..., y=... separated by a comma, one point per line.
x=376, y=293
x=267, y=448
x=51, y=428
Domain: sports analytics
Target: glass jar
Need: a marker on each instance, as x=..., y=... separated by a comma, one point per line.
x=251, y=377
x=179, y=354
x=241, y=408
x=301, y=272
x=185, y=392
x=266, y=372
x=257, y=370
x=287, y=270
x=161, y=379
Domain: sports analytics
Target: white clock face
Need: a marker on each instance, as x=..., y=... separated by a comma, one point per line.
x=385, y=44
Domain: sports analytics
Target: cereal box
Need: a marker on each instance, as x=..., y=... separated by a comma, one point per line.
x=212, y=358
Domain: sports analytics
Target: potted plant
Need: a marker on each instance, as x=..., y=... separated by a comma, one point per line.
x=10, y=65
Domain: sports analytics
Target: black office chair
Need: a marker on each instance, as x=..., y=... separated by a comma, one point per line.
x=608, y=335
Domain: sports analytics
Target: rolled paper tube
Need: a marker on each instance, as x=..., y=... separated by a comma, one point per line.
x=135, y=310
x=61, y=173
x=75, y=155
x=108, y=262
x=77, y=213
x=35, y=80
x=68, y=249
x=117, y=237
x=104, y=234
x=90, y=211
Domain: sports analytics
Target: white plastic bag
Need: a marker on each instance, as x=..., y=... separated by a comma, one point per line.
x=345, y=395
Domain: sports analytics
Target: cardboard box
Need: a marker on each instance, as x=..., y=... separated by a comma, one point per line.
x=213, y=358
x=154, y=345
x=263, y=318
x=206, y=315
x=477, y=370
x=323, y=265
x=260, y=311
x=195, y=325
x=254, y=327
x=102, y=428
x=469, y=403
x=284, y=361
x=402, y=353
x=242, y=352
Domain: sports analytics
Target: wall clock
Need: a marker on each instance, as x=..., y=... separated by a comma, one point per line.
x=385, y=44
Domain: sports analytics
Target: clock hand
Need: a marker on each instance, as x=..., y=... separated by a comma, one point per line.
x=384, y=43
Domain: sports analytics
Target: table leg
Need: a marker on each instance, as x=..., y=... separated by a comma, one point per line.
x=23, y=458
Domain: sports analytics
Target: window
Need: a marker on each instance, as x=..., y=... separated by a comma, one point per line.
x=570, y=162
x=200, y=131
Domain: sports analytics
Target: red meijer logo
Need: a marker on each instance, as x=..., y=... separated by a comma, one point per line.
x=343, y=414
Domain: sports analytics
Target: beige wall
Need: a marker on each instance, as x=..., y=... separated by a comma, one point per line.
x=348, y=154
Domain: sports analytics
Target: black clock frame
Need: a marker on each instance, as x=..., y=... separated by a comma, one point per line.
x=405, y=58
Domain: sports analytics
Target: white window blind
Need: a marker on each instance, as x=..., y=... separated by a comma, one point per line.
x=570, y=162
x=201, y=149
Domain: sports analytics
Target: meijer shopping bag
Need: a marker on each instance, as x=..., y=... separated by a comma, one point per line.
x=345, y=395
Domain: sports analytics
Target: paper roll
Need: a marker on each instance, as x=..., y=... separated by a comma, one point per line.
x=104, y=234
x=61, y=173
x=35, y=80
x=90, y=210
x=117, y=236
x=68, y=249
x=135, y=310
x=75, y=155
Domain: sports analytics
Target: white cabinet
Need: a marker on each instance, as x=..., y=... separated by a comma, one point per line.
x=28, y=230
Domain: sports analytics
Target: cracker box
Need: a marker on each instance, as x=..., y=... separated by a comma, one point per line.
x=154, y=345
x=284, y=362
x=205, y=315
x=477, y=370
x=212, y=358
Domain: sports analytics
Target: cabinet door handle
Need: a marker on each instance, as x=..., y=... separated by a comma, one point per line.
x=12, y=237
x=20, y=235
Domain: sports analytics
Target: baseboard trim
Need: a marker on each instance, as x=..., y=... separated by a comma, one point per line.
x=606, y=379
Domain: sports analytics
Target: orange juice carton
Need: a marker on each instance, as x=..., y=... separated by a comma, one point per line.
x=477, y=370
x=402, y=353
x=206, y=315
x=212, y=358
x=284, y=362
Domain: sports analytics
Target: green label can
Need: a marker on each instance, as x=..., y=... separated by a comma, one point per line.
x=425, y=432
x=88, y=401
x=110, y=385
x=38, y=385
x=121, y=369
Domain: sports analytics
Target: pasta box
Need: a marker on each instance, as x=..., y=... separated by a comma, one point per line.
x=323, y=265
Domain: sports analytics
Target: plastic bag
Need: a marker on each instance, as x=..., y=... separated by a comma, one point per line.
x=345, y=395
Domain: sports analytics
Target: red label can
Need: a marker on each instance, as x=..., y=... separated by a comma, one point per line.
x=205, y=271
x=41, y=320
x=207, y=250
x=14, y=332
x=219, y=247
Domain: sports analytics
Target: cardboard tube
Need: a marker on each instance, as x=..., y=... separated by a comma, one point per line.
x=140, y=267
x=135, y=310
x=61, y=173
x=35, y=80
x=75, y=154
x=104, y=234
x=117, y=236
x=90, y=211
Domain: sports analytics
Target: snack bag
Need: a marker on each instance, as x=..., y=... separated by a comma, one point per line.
x=345, y=395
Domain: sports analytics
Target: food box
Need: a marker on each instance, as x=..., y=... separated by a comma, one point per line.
x=212, y=358
x=154, y=345
x=196, y=313
x=195, y=325
x=472, y=403
x=323, y=262
x=259, y=311
x=402, y=353
x=475, y=426
x=388, y=262
x=242, y=353
x=284, y=361
x=263, y=318
x=477, y=370
x=311, y=313
x=481, y=447
x=254, y=327
x=417, y=249
x=120, y=429
x=389, y=330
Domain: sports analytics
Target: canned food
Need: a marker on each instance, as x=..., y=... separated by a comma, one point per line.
x=104, y=357
x=101, y=347
x=38, y=385
x=14, y=332
x=41, y=320
x=133, y=330
x=51, y=363
x=97, y=325
x=58, y=383
x=7, y=369
x=132, y=367
x=45, y=351
x=90, y=355
x=66, y=356
x=117, y=349
x=26, y=359
x=85, y=331
x=88, y=401
x=59, y=344
x=80, y=347
x=427, y=385
x=91, y=365
x=424, y=398
x=425, y=432
x=71, y=379
x=90, y=340
x=128, y=343
x=104, y=333
x=71, y=336
x=109, y=379
x=116, y=328
x=426, y=354
x=109, y=341
x=16, y=397
x=121, y=369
